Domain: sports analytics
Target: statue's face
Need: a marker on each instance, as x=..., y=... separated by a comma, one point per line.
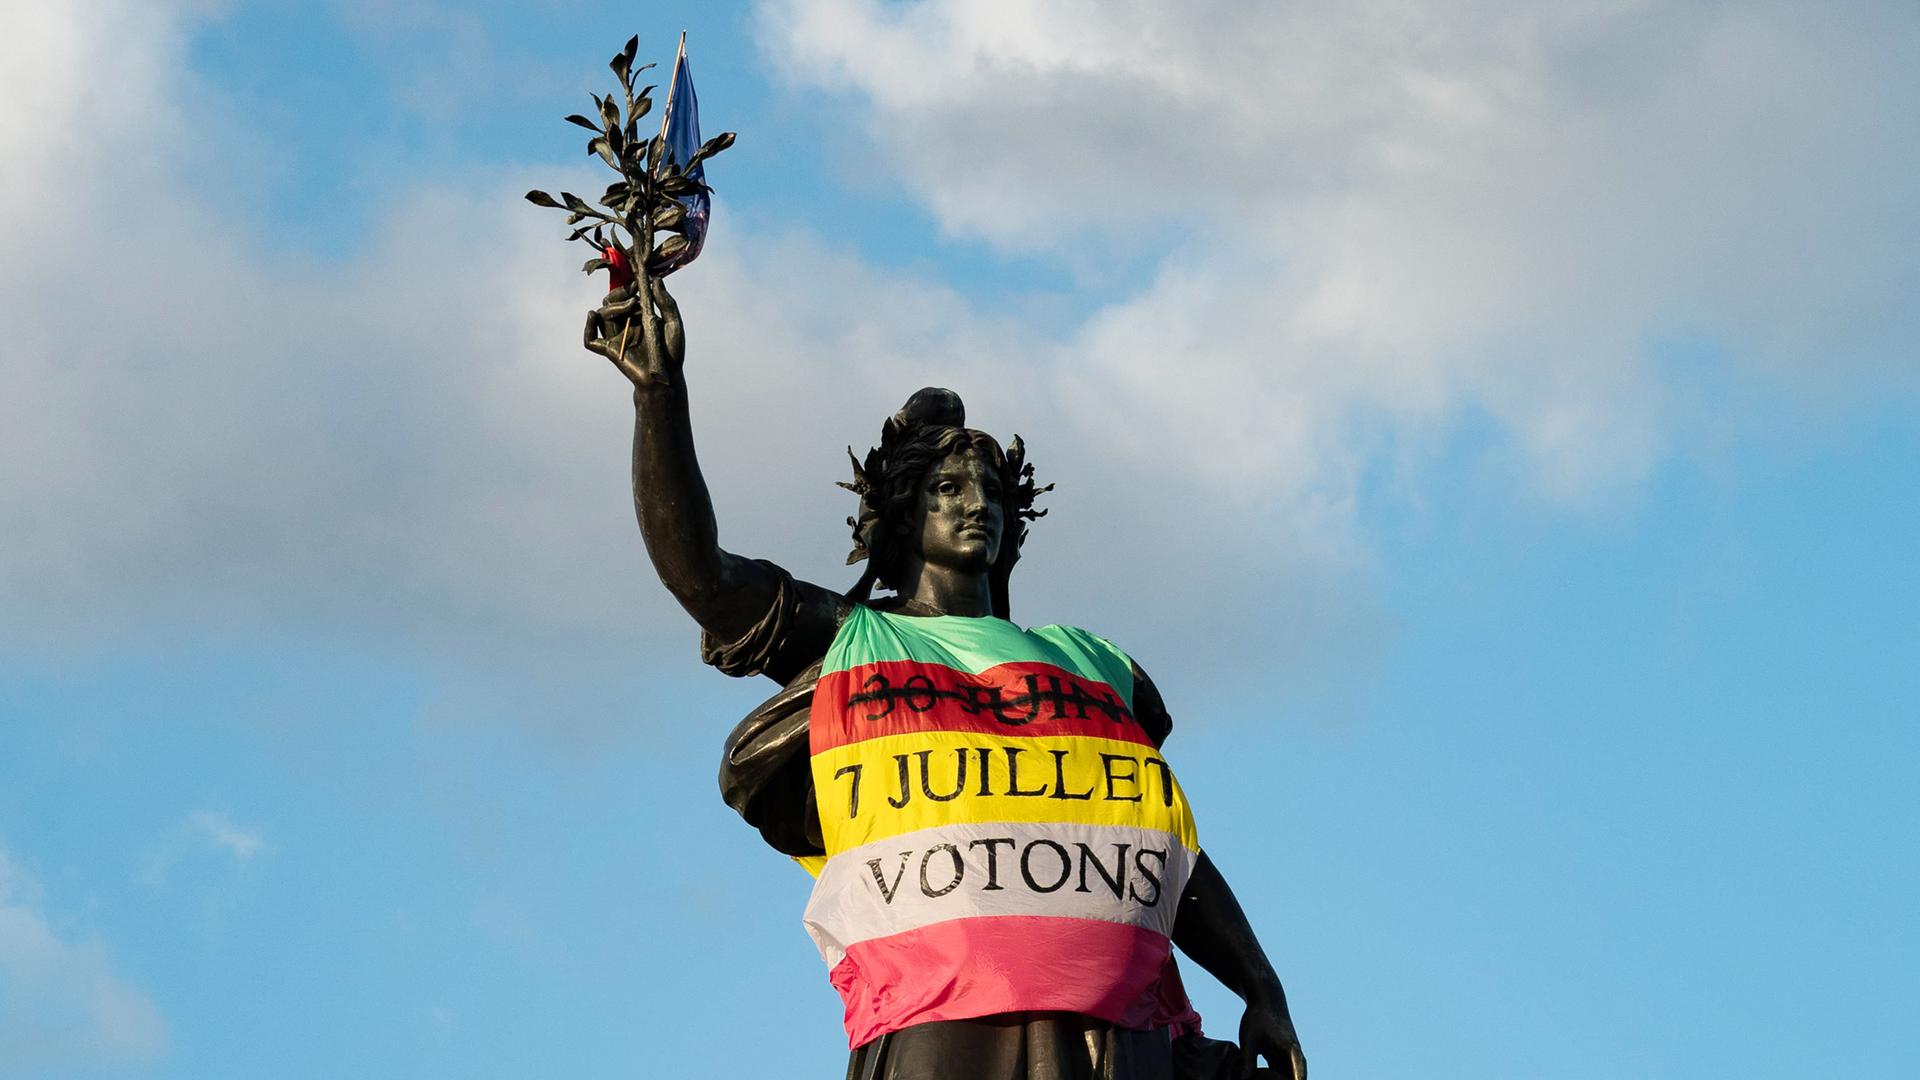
x=961, y=514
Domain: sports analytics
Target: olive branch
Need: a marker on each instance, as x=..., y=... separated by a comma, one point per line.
x=645, y=200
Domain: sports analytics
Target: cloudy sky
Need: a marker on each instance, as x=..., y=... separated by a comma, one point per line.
x=1496, y=426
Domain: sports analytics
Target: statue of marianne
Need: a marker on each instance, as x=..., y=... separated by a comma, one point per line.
x=1003, y=859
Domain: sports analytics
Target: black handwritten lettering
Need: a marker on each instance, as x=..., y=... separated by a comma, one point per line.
x=1026, y=866
x=1060, y=778
x=906, y=793
x=1078, y=699
x=986, y=766
x=1115, y=880
x=1153, y=877
x=1034, y=693
x=976, y=699
x=960, y=781
x=1013, y=776
x=920, y=693
x=1166, y=779
x=1131, y=776
x=878, y=690
x=1062, y=699
x=993, y=860
x=959, y=870
x=1008, y=712
x=886, y=890
x=1067, y=699
x=853, y=789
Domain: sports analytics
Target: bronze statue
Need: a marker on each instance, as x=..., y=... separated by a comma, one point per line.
x=1004, y=860
x=941, y=527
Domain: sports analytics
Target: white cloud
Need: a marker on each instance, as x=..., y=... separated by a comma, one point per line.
x=1389, y=215
x=62, y=1004
x=243, y=844
x=1364, y=224
x=411, y=446
x=201, y=831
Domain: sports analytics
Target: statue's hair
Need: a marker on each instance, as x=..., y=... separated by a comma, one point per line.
x=927, y=429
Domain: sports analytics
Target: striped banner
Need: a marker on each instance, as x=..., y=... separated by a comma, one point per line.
x=1001, y=834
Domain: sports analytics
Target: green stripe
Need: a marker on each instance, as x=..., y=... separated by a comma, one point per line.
x=973, y=645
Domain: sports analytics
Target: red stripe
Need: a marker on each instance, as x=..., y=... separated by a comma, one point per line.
x=963, y=968
x=903, y=697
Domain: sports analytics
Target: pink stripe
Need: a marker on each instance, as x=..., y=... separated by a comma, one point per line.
x=963, y=968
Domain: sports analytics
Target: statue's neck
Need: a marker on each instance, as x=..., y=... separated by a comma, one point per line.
x=944, y=590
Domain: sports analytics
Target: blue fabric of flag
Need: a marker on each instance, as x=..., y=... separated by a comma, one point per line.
x=681, y=131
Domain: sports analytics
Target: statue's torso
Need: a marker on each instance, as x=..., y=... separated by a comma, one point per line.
x=1001, y=835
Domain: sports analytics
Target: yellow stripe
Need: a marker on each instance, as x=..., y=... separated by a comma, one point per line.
x=1130, y=786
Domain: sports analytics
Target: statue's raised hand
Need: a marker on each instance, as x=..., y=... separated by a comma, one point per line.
x=638, y=328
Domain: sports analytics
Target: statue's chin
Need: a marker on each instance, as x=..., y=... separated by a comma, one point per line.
x=974, y=564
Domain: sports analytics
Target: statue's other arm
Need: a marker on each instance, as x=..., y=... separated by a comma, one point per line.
x=726, y=594
x=1212, y=929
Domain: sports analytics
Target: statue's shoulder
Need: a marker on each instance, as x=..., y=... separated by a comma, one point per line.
x=1060, y=631
x=1118, y=670
x=797, y=629
x=1095, y=655
x=1079, y=637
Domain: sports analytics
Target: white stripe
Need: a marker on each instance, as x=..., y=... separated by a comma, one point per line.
x=997, y=868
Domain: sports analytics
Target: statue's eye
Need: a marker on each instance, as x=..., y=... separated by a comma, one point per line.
x=947, y=487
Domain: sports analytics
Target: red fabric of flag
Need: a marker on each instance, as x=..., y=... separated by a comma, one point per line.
x=619, y=271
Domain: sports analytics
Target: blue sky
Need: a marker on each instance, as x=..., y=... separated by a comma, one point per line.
x=1494, y=426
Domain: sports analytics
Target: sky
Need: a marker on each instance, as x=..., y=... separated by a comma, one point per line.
x=1495, y=426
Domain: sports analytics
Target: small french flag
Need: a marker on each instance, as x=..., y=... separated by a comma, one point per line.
x=680, y=131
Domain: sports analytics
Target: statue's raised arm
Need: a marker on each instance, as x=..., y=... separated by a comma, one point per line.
x=639, y=329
